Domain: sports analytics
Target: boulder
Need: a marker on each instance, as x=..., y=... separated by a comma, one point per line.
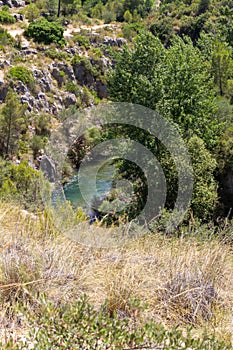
x=101, y=89
x=109, y=41
x=69, y=100
x=4, y=64
x=83, y=76
x=58, y=68
x=18, y=16
x=58, y=76
x=8, y=3
x=18, y=3
x=21, y=88
x=43, y=79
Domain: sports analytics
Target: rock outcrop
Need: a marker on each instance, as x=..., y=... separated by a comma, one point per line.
x=13, y=3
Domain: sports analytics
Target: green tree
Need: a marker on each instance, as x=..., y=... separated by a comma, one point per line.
x=12, y=123
x=205, y=196
x=175, y=81
x=222, y=65
x=188, y=92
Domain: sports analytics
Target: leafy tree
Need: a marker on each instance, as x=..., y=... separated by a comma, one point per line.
x=222, y=65
x=205, y=197
x=12, y=123
x=176, y=82
x=188, y=95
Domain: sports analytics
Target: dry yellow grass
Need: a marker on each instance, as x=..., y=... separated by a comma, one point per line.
x=178, y=280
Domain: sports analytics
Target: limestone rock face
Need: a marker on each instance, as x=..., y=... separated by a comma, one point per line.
x=70, y=99
x=18, y=3
x=13, y=3
x=83, y=76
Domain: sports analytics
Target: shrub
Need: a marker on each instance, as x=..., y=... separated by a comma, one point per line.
x=59, y=55
x=21, y=184
x=79, y=326
x=43, y=31
x=21, y=73
x=5, y=38
x=73, y=88
x=82, y=40
x=6, y=17
x=32, y=12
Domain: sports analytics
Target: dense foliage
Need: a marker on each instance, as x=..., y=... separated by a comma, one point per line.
x=5, y=16
x=79, y=326
x=43, y=31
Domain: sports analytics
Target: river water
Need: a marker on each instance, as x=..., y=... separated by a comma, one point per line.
x=71, y=191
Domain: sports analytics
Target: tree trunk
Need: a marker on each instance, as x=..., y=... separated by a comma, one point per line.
x=59, y=8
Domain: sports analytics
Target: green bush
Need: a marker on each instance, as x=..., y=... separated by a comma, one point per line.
x=82, y=40
x=6, y=17
x=21, y=73
x=43, y=31
x=59, y=55
x=21, y=184
x=73, y=88
x=78, y=326
x=32, y=12
x=5, y=38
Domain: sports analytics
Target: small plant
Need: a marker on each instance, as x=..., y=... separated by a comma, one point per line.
x=21, y=73
x=82, y=40
x=43, y=31
x=73, y=88
x=5, y=38
x=32, y=12
x=5, y=16
x=80, y=326
x=59, y=55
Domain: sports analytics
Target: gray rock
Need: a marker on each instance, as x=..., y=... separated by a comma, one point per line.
x=58, y=76
x=18, y=3
x=43, y=79
x=70, y=99
x=18, y=16
x=65, y=68
x=8, y=3
x=83, y=76
x=114, y=41
x=71, y=51
x=121, y=41
x=41, y=96
x=21, y=88
x=101, y=89
x=27, y=51
x=4, y=64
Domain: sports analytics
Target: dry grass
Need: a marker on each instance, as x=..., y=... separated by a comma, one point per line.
x=178, y=281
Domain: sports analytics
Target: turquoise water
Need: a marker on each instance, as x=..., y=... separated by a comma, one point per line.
x=71, y=190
